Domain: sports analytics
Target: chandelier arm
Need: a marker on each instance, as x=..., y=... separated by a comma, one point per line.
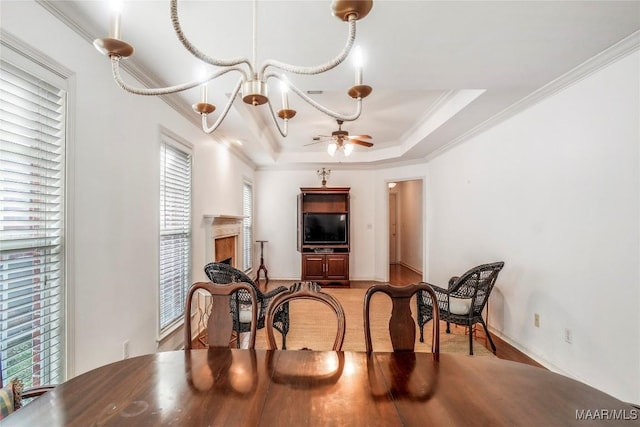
x=195, y=51
x=319, y=68
x=319, y=107
x=115, y=68
x=275, y=121
x=226, y=109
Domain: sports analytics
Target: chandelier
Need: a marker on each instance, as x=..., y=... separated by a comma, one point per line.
x=252, y=83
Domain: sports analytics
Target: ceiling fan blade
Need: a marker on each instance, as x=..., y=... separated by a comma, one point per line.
x=360, y=136
x=314, y=142
x=363, y=143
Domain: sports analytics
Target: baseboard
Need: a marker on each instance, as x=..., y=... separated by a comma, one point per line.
x=415, y=270
x=536, y=357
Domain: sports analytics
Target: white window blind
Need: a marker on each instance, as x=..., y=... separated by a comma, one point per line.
x=247, y=224
x=175, y=232
x=32, y=146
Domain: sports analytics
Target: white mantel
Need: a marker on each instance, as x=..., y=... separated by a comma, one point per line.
x=219, y=226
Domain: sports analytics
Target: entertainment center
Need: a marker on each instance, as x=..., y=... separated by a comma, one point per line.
x=323, y=235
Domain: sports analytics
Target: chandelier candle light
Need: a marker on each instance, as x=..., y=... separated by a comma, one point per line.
x=253, y=80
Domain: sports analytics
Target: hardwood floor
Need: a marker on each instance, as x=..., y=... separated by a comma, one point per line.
x=401, y=275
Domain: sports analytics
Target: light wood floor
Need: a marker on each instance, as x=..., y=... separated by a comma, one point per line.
x=401, y=275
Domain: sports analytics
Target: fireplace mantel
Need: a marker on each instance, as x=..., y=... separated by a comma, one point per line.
x=222, y=226
x=213, y=219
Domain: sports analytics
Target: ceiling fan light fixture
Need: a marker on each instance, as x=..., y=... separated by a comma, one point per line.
x=331, y=148
x=348, y=148
x=252, y=83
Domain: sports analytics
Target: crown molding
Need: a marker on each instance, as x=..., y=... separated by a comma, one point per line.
x=624, y=47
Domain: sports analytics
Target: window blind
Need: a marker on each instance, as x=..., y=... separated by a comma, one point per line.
x=247, y=224
x=175, y=233
x=32, y=144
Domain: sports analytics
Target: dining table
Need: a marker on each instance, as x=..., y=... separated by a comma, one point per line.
x=239, y=387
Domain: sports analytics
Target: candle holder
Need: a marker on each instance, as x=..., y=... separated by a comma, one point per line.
x=324, y=174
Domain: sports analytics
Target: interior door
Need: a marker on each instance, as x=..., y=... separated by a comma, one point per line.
x=393, y=228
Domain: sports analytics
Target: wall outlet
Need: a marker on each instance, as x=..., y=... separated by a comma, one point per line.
x=125, y=350
x=568, y=336
x=536, y=320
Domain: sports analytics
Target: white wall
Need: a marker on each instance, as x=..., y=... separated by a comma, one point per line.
x=410, y=224
x=554, y=192
x=115, y=203
x=276, y=194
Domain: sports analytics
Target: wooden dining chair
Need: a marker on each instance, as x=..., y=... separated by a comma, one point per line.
x=220, y=322
x=221, y=273
x=13, y=393
x=402, y=326
x=306, y=291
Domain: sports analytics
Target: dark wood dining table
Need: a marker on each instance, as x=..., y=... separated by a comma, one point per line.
x=230, y=387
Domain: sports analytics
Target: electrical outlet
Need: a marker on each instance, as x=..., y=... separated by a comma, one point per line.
x=125, y=349
x=536, y=320
x=568, y=337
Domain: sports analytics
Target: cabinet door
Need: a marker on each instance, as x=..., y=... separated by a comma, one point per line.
x=337, y=266
x=312, y=267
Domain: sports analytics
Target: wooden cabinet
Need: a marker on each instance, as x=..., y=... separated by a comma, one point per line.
x=323, y=235
x=330, y=268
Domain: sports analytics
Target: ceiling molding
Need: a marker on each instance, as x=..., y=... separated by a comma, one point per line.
x=592, y=65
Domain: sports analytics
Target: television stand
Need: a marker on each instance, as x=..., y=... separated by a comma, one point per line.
x=324, y=262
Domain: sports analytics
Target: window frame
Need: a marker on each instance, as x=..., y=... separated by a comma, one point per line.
x=247, y=224
x=43, y=67
x=176, y=143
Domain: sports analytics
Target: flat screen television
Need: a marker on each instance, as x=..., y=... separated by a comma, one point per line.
x=325, y=229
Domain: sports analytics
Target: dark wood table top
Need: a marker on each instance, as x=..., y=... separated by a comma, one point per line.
x=230, y=387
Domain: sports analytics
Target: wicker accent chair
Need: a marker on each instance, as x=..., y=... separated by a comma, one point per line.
x=221, y=273
x=309, y=291
x=464, y=300
x=402, y=327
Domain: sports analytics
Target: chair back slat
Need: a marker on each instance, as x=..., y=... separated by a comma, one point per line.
x=222, y=273
x=308, y=291
x=220, y=322
x=402, y=326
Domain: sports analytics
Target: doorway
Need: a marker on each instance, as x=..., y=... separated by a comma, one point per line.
x=406, y=231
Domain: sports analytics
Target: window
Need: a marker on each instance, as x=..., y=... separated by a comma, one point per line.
x=32, y=219
x=247, y=226
x=175, y=231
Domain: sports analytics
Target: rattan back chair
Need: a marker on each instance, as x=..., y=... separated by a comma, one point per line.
x=464, y=300
x=221, y=273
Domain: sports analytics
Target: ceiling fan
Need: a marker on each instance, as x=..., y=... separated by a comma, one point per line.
x=341, y=139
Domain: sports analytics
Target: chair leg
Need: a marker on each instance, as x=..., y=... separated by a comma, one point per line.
x=284, y=341
x=486, y=331
x=422, y=333
x=470, y=341
x=448, y=328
